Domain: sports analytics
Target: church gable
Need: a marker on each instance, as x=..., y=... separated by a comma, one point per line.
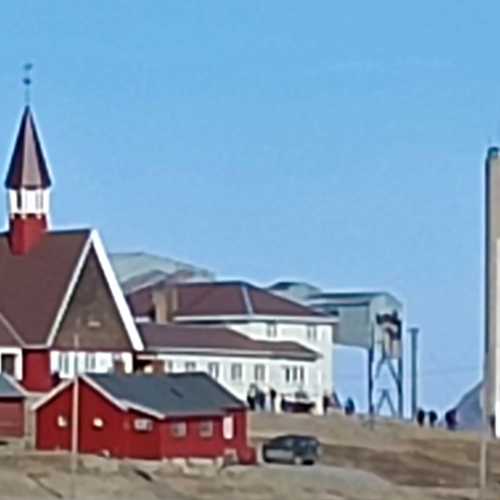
x=92, y=313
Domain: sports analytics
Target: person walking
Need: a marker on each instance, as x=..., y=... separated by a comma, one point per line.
x=326, y=403
x=272, y=399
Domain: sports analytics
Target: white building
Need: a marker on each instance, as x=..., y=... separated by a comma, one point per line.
x=268, y=340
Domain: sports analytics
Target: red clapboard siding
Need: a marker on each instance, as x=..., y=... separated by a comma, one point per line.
x=11, y=418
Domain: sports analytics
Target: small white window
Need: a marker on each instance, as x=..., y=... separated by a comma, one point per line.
x=90, y=362
x=98, y=423
x=312, y=333
x=213, y=370
x=228, y=428
x=178, y=429
x=206, y=429
x=65, y=364
x=287, y=374
x=301, y=374
x=190, y=366
x=272, y=330
x=62, y=421
x=236, y=372
x=143, y=424
x=169, y=366
x=259, y=373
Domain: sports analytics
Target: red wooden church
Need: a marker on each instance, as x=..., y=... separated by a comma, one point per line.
x=56, y=287
x=146, y=416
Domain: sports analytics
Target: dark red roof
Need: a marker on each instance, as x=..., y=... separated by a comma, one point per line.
x=168, y=337
x=221, y=299
x=28, y=168
x=32, y=286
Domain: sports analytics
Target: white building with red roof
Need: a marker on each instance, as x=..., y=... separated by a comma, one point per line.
x=241, y=334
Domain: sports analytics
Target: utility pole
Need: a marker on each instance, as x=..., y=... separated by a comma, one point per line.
x=74, y=418
x=413, y=331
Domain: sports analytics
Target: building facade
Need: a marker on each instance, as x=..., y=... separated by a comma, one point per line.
x=257, y=315
x=58, y=292
x=236, y=361
x=145, y=416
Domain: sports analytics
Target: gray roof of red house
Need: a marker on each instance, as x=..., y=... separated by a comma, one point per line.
x=32, y=286
x=187, y=338
x=9, y=389
x=171, y=395
x=223, y=298
x=28, y=167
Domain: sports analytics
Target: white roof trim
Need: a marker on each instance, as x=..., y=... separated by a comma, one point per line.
x=11, y=330
x=69, y=292
x=144, y=409
x=52, y=394
x=317, y=320
x=246, y=299
x=307, y=355
x=116, y=292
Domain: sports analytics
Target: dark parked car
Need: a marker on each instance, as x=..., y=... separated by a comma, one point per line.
x=291, y=449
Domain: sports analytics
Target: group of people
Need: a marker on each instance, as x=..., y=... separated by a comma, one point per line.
x=450, y=418
x=257, y=398
x=334, y=403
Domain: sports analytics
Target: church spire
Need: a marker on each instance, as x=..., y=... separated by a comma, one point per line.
x=28, y=184
x=28, y=168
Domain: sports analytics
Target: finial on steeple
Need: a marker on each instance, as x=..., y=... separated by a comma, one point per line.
x=27, y=82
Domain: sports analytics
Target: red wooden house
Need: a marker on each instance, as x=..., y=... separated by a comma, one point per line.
x=146, y=416
x=55, y=286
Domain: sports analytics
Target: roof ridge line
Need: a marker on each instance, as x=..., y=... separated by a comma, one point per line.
x=247, y=299
x=11, y=329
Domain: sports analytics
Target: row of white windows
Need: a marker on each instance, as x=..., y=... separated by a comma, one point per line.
x=311, y=332
x=84, y=362
x=178, y=429
x=291, y=374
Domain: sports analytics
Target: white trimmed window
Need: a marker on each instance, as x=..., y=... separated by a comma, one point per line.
x=206, y=429
x=190, y=366
x=272, y=330
x=65, y=364
x=178, y=429
x=294, y=374
x=213, y=370
x=312, y=333
x=236, y=372
x=143, y=424
x=259, y=373
x=90, y=362
x=228, y=427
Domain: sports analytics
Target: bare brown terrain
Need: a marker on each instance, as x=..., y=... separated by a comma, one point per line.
x=393, y=461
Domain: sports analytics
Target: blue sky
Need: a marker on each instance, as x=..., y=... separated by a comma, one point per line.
x=340, y=143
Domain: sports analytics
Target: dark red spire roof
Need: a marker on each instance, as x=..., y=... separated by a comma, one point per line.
x=28, y=168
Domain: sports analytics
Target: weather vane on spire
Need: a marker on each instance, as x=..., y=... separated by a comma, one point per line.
x=27, y=82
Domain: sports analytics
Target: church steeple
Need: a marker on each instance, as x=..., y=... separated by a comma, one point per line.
x=28, y=183
x=28, y=168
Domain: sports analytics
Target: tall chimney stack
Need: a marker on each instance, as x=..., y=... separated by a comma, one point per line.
x=161, y=304
x=491, y=391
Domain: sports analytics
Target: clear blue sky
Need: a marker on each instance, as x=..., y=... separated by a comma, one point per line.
x=340, y=143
